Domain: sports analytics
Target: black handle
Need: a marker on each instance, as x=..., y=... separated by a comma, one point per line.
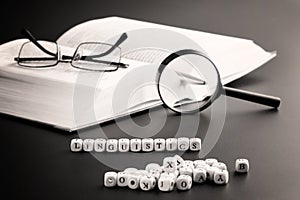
x=253, y=97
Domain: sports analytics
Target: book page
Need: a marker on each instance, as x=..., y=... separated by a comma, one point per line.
x=234, y=57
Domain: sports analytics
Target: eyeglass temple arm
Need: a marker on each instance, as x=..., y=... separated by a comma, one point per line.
x=122, y=38
x=253, y=97
x=29, y=36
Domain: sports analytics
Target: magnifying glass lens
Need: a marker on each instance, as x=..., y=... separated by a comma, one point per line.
x=188, y=83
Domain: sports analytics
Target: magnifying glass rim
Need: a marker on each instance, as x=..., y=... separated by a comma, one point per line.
x=171, y=58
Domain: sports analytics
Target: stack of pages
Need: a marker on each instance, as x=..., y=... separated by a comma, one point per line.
x=54, y=95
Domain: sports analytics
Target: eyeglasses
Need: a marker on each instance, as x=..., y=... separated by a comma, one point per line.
x=188, y=82
x=92, y=56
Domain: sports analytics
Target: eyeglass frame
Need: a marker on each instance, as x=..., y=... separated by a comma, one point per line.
x=69, y=59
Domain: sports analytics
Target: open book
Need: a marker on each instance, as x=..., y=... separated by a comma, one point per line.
x=59, y=96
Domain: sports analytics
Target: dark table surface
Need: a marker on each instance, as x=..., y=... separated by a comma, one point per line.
x=36, y=162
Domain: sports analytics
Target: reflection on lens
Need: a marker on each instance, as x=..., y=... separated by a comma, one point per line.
x=32, y=56
x=96, y=56
x=188, y=83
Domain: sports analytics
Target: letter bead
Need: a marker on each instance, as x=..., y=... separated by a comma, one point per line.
x=147, y=144
x=99, y=145
x=220, y=165
x=211, y=161
x=147, y=183
x=179, y=161
x=171, y=144
x=184, y=182
x=195, y=144
x=199, y=163
x=133, y=181
x=88, y=145
x=124, y=145
x=151, y=167
x=186, y=171
x=135, y=145
x=166, y=183
x=159, y=144
x=110, y=179
x=189, y=163
x=199, y=175
x=169, y=164
x=183, y=143
x=122, y=179
x=76, y=145
x=242, y=165
x=221, y=177
x=112, y=145
x=210, y=172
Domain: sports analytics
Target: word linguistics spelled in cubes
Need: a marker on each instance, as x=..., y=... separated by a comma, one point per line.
x=242, y=165
x=137, y=145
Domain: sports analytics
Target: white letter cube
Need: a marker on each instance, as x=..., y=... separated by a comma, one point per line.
x=88, y=145
x=195, y=144
x=159, y=144
x=124, y=145
x=242, y=165
x=199, y=175
x=220, y=165
x=211, y=161
x=110, y=179
x=165, y=183
x=112, y=145
x=133, y=181
x=99, y=145
x=147, y=144
x=169, y=164
x=186, y=171
x=184, y=182
x=122, y=180
x=135, y=145
x=183, y=143
x=171, y=144
x=179, y=161
x=221, y=177
x=147, y=183
x=76, y=145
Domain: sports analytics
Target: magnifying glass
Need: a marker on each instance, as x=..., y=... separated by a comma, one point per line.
x=188, y=81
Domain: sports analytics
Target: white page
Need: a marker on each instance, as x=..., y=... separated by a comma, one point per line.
x=233, y=56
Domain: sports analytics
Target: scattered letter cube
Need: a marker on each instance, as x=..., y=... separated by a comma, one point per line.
x=184, y=182
x=122, y=179
x=166, y=183
x=170, y=164
x=242, y=165
x=221, y=177
x=110, y=179
x=147, y=183
x=211, y=161
x=199, y=175
x=133, y=181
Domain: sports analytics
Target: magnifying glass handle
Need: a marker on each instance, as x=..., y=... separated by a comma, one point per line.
x=253, y=97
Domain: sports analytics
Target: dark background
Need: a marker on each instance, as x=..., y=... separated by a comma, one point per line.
x=36, y=162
